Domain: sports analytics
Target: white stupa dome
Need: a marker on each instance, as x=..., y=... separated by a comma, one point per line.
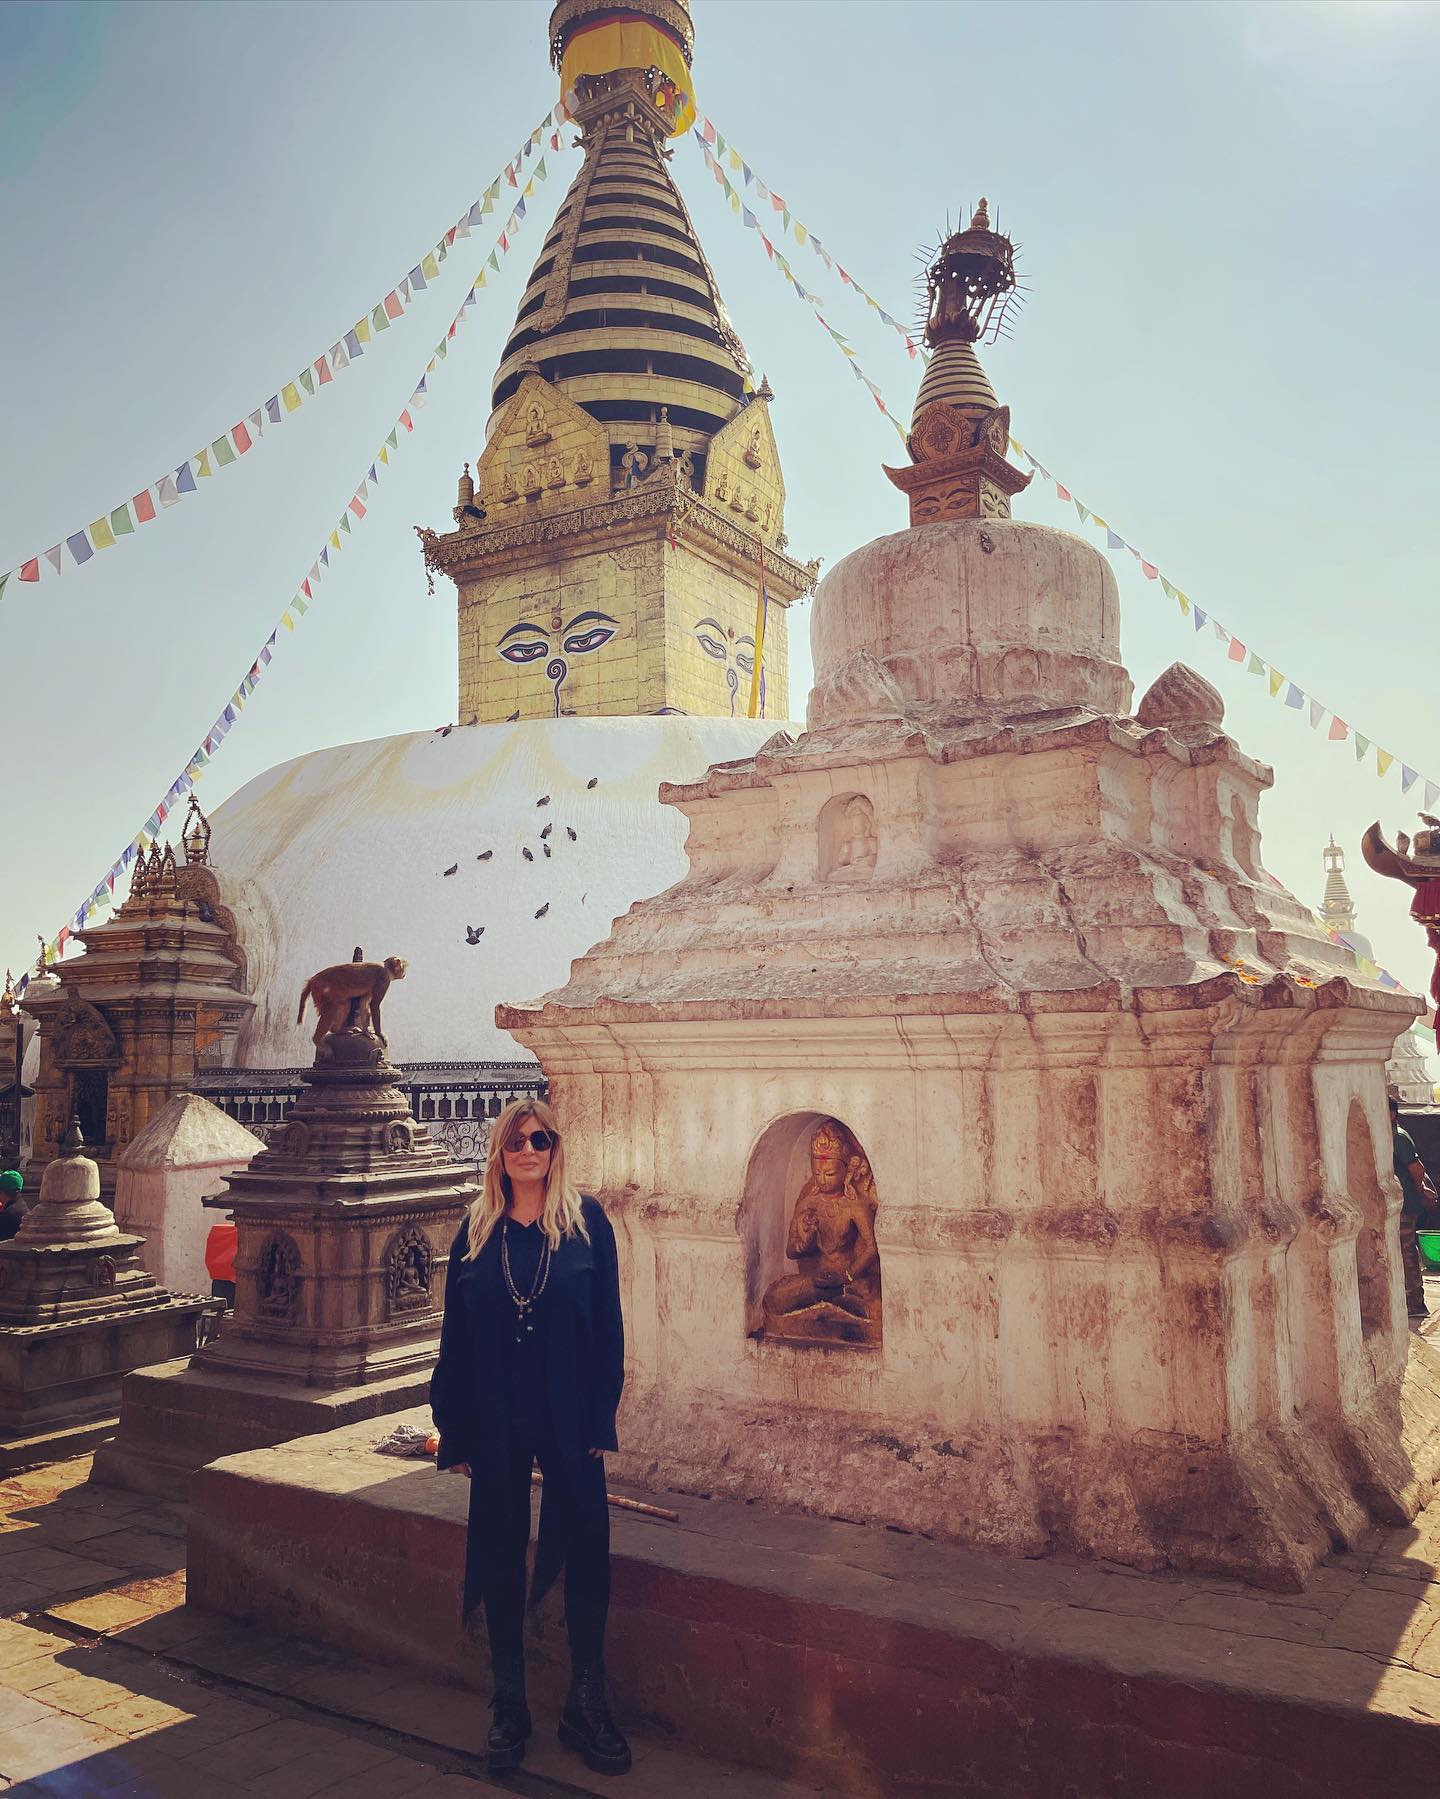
x=350, y=846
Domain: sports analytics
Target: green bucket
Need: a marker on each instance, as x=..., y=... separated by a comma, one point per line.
x=1429, y=1242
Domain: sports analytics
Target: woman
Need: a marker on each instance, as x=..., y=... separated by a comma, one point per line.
x=531, y=1364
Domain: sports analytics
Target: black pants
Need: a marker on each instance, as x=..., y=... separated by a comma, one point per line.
x=504, y=1536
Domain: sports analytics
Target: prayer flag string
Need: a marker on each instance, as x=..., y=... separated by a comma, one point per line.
x=356, y=509
x=777, y=257
x=169, y=489
x=1293, y=697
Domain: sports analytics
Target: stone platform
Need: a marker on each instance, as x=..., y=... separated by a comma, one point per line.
x=176, y=1417
x=872, y=1661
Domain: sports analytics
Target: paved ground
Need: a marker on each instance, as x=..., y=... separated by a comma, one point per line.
x=110, y=1685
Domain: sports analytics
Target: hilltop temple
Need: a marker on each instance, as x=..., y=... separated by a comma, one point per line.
x=609, y=549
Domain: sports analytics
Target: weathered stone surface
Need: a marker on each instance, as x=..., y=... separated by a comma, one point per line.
x=344, y=1227
x=78, y=1311
x=754, y=1635
x=1122, y=1098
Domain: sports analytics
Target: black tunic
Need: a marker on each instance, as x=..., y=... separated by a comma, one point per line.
x=485, y=1391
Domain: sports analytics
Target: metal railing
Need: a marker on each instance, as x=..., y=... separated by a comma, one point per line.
x=455, y=1101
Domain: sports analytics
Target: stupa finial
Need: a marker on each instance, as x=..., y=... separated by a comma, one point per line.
x=960, y=431
x=196, y=836
x=608, y=58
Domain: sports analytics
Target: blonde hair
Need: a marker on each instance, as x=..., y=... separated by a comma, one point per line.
x=560, y=1216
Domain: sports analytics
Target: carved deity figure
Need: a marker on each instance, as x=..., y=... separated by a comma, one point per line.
x=835, y=1295
x=507, y=486
x=535, y=429
x=584, y=469
x=555, y=472
x=635, y=462
x=858, y=846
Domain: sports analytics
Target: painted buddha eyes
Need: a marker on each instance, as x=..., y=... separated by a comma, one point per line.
x=587, y=631
x=712, y=646
x=580, y=643
x=526, y=650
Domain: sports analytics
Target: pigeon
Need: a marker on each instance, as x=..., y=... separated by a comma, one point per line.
x=448, y=729
x=546, y=832
x=569, y=832
x=474, y=719
x=511, y=717
x=528, y=855
x=474, y=932
x=452, y=869
x=543, y=801
x=485, y=855
x=543, y=910
x=546, y=848
x=594, y=781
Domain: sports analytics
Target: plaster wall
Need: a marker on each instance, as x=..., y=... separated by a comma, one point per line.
x=350, y=845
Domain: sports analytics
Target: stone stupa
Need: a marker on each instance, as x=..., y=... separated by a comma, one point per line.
x=78, y=1312
x=999, y=1154
x=344, y=1227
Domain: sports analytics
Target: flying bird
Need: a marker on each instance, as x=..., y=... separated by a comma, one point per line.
x=546, y=832
x=452, y=869
x=528, y=855
x=474, y=932
x=569, y=832
x=485, y=855
x=543, y=801
x=594, y=781
x=543, y=910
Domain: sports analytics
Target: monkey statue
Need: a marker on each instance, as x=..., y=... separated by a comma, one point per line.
x=334, y=989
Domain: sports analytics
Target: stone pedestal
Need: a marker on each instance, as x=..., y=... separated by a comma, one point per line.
x=1122, y=1102
x=78, y=1311
x=344, y=1227
x=183, y=1155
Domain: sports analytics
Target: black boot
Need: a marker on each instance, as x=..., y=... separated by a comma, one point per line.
x=586, y=1725
x=510, y=1725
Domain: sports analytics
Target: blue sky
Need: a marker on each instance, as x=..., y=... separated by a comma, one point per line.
x=1227, y=351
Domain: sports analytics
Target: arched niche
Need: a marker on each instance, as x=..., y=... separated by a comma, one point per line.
x=849, y=841
x=811, y=1163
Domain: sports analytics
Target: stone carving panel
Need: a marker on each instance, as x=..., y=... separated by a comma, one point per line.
x=409, y=1262
x=278, y=1280
x=834, y=1295
x=849, y=842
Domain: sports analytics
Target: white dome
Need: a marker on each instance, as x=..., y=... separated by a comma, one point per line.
x=349, y=846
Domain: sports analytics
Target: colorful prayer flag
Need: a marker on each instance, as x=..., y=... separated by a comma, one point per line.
x=144, y=506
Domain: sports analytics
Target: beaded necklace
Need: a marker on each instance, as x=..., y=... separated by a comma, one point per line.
x=524, y=1303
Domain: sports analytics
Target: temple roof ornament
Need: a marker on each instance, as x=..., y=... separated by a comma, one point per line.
x=196, y=836
x=960, y=431
x=1337, y=908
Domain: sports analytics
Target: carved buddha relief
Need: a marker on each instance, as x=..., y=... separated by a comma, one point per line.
x=834, y=1295
x=849, y=844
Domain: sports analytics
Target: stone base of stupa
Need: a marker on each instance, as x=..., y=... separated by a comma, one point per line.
x=174, y=1419
x=60, y=1383
x=867, y=1661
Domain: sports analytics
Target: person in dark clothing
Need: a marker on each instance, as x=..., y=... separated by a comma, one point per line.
x=12, y=1212
x=1418, y=1197
x=532, y=1361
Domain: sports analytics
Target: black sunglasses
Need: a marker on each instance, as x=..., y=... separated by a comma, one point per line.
x=539, y=1140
